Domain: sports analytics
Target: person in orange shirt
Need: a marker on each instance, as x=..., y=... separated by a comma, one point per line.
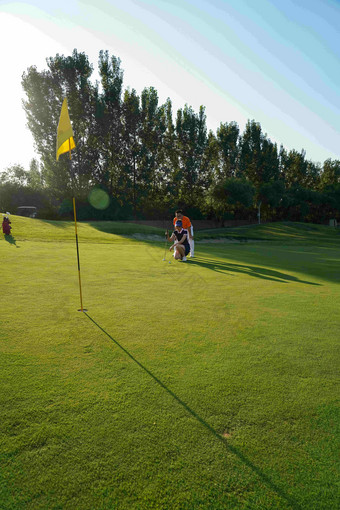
x=186, y=223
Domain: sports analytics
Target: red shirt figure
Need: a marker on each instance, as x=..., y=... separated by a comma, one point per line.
x=6, y=227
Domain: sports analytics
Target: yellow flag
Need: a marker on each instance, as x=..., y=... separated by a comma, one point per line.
x=65, y=142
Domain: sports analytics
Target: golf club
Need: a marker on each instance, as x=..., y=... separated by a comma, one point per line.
x=166, y=233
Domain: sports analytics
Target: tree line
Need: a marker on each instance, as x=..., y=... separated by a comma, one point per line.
x=151, y=160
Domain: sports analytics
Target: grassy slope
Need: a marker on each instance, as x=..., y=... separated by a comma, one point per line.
x=129, y=407
x=284, y=232
x=100, y=231
x=113, y=231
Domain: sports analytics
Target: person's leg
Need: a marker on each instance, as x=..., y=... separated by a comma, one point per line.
x=192, y=242
x=179, y=253
x=186, y=253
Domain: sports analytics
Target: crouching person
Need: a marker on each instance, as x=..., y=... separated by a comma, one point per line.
x=181, y=245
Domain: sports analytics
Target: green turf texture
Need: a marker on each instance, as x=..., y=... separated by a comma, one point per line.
x=211, y=384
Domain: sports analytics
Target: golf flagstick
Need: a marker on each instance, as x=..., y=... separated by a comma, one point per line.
x=65, y=143
x=79, y=278
x=165, y=245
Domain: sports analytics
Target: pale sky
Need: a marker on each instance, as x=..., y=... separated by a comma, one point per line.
x=274, y=61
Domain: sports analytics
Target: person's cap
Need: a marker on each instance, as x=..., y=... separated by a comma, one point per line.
x=178, y=223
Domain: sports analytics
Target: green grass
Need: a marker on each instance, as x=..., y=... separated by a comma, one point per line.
x=98, y=231
x=287, y=232
x=206, y=385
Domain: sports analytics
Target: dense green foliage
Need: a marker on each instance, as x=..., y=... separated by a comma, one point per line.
x=127, y=407
x=151, y=160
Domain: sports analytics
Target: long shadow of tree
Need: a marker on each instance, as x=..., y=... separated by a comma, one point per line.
x=261, y=474
x=57, y=223
x=320, y=262
x=254, y=271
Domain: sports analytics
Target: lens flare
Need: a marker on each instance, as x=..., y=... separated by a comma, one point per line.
x=99, y=199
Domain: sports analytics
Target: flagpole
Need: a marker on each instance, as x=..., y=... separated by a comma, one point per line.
x=65, y=143
x=75, y=224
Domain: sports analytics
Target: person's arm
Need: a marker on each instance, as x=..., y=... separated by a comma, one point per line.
x=173, y=245
x=183, y=238
x=173, y=238
x=167, y=236
x=188, y=228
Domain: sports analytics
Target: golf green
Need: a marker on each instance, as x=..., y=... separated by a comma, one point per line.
x=210, y=384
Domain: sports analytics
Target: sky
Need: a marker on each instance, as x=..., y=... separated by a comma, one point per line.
x=274, y=61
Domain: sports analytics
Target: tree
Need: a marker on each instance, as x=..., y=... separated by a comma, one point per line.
x=106, y=137
x=66, y=76
x=313, y=176
x=128, y=185
x=329, y=186
x=191, y=133
x=227, y=137
x=166, y=198
x=209, y=173
x=269, y=162
x=131, y=146
x=250, y=152
x=230, y=194
x=330, y=175
x=15, y=174
x=153, y=128
x=258, y=159
x=270, y=195
x=19, y=187
x=34, y=177
x=294, y=168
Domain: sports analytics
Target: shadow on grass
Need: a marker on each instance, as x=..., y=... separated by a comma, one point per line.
x=278, y=232
x=280, y=492
x=57, y=223
x=11, y=240
x=126, y=229
x=256, y=272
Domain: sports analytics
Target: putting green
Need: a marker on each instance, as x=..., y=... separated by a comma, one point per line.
x=206, y=384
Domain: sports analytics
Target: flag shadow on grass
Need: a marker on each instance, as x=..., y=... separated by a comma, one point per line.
x=265, y=478
x=255, y=271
